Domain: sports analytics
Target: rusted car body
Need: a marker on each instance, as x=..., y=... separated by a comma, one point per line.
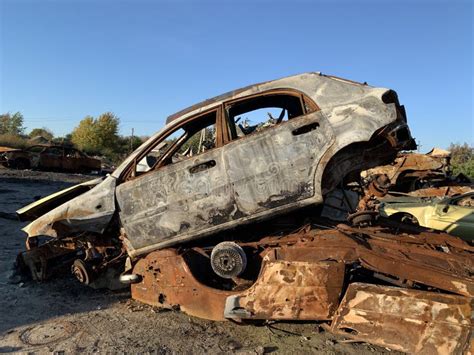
x=49, y=157
x=454, y=215
x=411, y=172
x=166, y=219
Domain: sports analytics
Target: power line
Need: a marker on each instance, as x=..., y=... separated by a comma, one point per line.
x=38, y=119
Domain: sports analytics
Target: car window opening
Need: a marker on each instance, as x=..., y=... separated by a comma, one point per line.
x=194, y=138
x=258, y=113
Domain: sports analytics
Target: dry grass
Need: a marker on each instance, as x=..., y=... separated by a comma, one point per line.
x=13, y=141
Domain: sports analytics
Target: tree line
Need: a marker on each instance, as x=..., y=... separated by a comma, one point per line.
x=98, y=136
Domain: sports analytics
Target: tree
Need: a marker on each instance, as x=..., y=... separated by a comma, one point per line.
x=11, y=124
x=97, y=135
x=43, y=132
x=462, y=159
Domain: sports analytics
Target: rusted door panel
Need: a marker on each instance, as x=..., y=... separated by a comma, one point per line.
x=167, y=282
x=72, y=164
x=406, y=320
x=284, y=289
x=175, y=200
x=290, y=290
x=277, y=166
x=50, y=161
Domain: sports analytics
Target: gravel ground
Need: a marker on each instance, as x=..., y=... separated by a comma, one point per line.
x=64, y=316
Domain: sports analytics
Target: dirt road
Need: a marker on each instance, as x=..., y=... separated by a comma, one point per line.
x=64, y=316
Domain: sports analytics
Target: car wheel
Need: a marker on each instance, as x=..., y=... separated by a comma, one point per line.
x=406, y=218
x=362, y=218
x=21, y=164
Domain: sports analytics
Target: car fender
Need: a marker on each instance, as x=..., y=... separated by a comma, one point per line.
x=90, y=212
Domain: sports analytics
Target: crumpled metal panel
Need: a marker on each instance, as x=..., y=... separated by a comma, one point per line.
x=167, y=282
x=290, y=290
x=89, y=212
x=412, y=165
x=411, y=321
x=442, y=191
x=284, y=289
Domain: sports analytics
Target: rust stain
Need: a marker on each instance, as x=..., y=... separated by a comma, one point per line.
x=411, y=321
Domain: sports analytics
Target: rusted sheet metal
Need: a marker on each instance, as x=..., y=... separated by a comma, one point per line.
x=290, y=290
x=7, y=149
x=443, y=191
x=433, y=259
x=167, y=282
x=412, y=166
x=284, y=289
x=304, y=268
x=411, y=321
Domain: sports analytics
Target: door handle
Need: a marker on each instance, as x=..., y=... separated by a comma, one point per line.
x=305, y=129
x=202, y=166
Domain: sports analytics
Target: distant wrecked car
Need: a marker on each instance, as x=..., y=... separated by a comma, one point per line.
x=49, y=157
x=454, y=215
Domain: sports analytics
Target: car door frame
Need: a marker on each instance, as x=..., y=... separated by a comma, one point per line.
x=309, y=107
x=129, y=172
x=144, y=232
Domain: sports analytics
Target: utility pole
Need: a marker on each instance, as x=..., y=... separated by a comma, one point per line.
x=131, y=141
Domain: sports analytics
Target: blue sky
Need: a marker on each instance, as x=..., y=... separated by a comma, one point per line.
x=144, y=60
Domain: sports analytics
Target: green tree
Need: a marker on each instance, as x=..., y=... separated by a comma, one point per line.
x=11, y=124
x=43, y=132
x=97, y=136
x=462, y=159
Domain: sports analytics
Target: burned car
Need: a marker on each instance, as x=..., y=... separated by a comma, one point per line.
x=49, y=157
x=180, y=219
x=454, y=215
x=411, y=172
x=327, y=128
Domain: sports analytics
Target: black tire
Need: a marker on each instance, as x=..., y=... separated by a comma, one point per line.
x=362, y=218
x=21, y=164
x=406, y=218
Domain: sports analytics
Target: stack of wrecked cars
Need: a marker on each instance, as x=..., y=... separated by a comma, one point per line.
x=207, y=217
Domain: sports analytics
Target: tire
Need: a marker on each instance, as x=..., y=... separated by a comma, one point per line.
x=362, y=218
x=21, y=164
x=406, y=218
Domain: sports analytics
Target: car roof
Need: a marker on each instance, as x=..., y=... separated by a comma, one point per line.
x=257, y=88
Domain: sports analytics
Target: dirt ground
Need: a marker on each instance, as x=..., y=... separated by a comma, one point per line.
x=64, y=316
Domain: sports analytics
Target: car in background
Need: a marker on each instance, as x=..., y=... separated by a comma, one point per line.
x=49, y=157
x=454, y=215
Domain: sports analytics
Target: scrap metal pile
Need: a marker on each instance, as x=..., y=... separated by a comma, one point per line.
x=405, y=291
x=206, y=233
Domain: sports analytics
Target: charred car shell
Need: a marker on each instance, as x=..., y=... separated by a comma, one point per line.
x=334, y=127
x=49, y=157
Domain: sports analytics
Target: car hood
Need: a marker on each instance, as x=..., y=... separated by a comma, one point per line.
x=89, y=208
x=46, y=204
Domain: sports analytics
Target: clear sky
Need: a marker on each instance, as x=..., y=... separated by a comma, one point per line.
x=143, y=60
